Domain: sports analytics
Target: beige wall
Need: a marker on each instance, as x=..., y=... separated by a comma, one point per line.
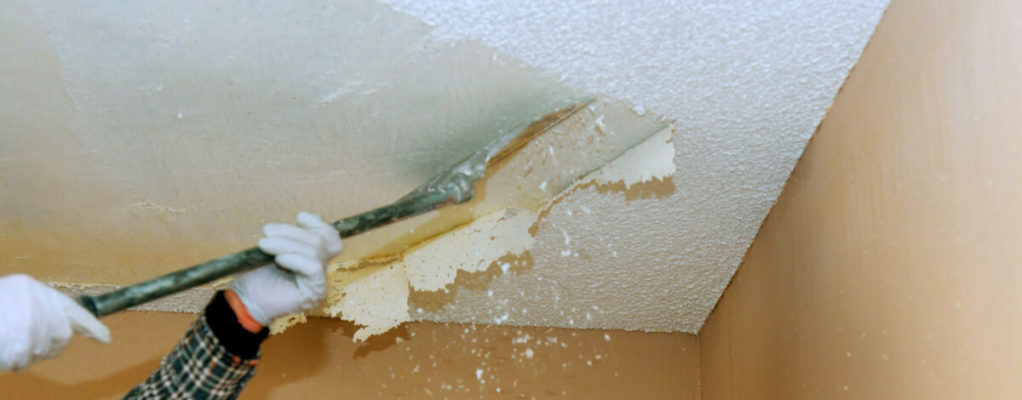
x=415, y=361
x=889, y=268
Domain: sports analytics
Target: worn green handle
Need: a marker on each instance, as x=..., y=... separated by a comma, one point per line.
x=130, y=296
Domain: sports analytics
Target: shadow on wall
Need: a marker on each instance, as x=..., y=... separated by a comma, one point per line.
x=114, y=385
x=287, y=362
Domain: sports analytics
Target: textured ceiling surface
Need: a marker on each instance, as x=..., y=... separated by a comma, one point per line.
x=141, y=138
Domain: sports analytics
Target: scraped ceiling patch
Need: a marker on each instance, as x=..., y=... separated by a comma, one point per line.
x=375, y=293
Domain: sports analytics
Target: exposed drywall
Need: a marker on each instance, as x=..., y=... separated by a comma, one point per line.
x=889, y=267
x=418, y=361
x=147, y=137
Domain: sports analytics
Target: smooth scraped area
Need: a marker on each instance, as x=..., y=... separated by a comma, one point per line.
x=652, y=159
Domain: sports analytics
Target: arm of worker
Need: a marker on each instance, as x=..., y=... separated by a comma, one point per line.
x=219, y=353
x=37, y=321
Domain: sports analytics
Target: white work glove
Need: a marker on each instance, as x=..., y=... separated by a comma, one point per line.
x=36, y=322
x=297, y=281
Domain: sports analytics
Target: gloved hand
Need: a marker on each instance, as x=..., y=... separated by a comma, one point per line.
x=36, y=322
x=297, y=281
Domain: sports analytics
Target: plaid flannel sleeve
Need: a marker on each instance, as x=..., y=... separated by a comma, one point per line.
x=203, y=365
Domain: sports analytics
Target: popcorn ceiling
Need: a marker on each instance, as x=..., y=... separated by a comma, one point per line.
x=687, y=60
x=745, y=82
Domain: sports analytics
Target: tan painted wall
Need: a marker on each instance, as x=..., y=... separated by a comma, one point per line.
x=889, y=268
x=416, y=361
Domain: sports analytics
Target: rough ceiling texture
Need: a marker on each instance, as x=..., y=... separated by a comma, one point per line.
x=142, y=138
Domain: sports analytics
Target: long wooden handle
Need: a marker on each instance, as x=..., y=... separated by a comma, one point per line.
x=130, y=296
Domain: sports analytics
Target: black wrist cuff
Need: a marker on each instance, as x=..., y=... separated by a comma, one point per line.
x=225, y=326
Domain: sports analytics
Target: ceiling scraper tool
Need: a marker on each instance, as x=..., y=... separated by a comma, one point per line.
x=456, y=185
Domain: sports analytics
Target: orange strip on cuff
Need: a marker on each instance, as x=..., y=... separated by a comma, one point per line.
x=244, y=318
